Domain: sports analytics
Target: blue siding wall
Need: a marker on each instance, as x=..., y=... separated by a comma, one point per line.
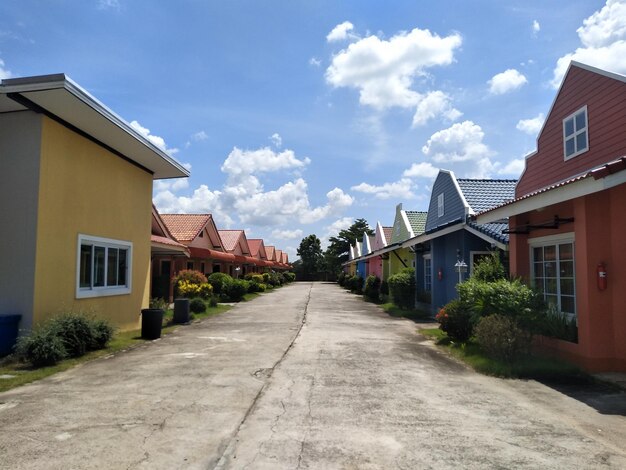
x=454, y=210
x=361, y=269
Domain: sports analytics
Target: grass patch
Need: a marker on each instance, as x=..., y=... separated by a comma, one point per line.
x=23, y=373
x=412, y=314
x=545, y=369
x=250, y=296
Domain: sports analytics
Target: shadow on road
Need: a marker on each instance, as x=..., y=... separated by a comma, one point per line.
x=605, y=398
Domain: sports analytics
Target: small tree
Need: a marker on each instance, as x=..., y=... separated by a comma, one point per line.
x=402, y=288
x=310, y=253
x=372, y=288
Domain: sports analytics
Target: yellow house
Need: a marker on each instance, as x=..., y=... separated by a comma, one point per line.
x=75, y=204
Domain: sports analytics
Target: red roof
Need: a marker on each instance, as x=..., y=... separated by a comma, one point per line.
x=255, y=245
x=230, y=238
x=388, y=231
x=271, y=252
x=185, y=227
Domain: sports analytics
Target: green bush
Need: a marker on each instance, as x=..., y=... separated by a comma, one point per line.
x=384, y=288
x=341, y=278
x=275, y=279
x=455, y=319
x=289, y=277
x=41, y=348
x=219, y=281
x=355, y=284
x=189, y=275
x=372, y=288
x=559, y=325
x=489, y=269
x=502, y=338
x=266, y=278
x=213, y=301
x=402, y=288
x=101, y=333
x=197, y=305
x=236, y=289
x=74, y=330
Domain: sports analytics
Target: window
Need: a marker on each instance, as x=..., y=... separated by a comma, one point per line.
x=428, y=282
x=190, y=265
x=440, y=205
x=575, y=134
x=553, y=273
x=476, y=257
x=104, y=267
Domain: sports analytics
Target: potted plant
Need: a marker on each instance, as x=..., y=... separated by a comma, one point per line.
x=152, y=319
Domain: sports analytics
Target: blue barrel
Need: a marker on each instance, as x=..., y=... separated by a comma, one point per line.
x=8, y=333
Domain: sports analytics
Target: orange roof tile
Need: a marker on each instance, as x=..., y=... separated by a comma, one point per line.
x=230, y=238
x=388, y=231
x=255, y=245
x=185, y=227
x=271, y=252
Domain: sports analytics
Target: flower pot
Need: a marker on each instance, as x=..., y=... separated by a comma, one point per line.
x=151, y=323
x=181, y=311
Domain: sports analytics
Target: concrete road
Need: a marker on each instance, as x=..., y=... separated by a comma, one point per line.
x=308, y=376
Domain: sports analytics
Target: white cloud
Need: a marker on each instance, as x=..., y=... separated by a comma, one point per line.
x=337, y=202
x=340, y=32
x=462, y=144
x=287, y=234
x=246, y=162
x=536, y=28
x=435, y=103
x=4, y=73
x=402, y=189
x=155, y=139
x=333, y=230
x=199, y=136
x=507, y=81
x=421, y=170
x=109, y=4
x=383, y=71
x=514, y=168
x=603, y=38
x=315, y=62
x=531, y=126
x=277, y=140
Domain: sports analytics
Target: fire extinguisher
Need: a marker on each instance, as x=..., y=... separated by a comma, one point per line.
x=440, y=274
x=601, y=276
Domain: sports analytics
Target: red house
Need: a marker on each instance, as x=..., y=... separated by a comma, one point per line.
x=567, y=222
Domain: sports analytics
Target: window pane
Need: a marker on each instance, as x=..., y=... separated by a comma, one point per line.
x=539, y=270
x=581, y=141
x=580, y=120
x=552, y=300
x=112, y=267
x=567, y=269
x=550, y=253
x=98, y=269
x=550, y=269
x=550, y=286
x=567, y=286
x=568, y=305
x=566, y=251
x=85, y=266
x=538, y=254
x=539, y=284
x=121, y=272
x=569, y=147
x=569, y=127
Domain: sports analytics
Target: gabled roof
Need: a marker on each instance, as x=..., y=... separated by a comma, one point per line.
x=232, y=238
x=388, y=231
x=185, y=227
x=59, y=98
x=257, y=247
x=417, y=220
x=271, y=252
x=483, y=194
x=162, y=241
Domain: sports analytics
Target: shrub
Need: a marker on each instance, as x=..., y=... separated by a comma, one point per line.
x=455, y=319
x=218, y=282
x=502, y=338
x=213, y=301
x=489, y=269
x=402, y=288
x=266, y=278
x=559, y=325
x=101, y=333
x=341, y=278
x=41, y=348
x=384, y=288
x=275, y=279
x=289, y=277
x=159, y=303
x=355, y=284
x=256, y=278
x=74, y=330
x=187, y=289
x=372, y=288
x=236, y=289
x=189, y=275
x=197, y=305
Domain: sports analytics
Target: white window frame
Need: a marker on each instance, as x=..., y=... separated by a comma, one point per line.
x=561, y=238
x=576, y=133
x=472, y=255
x=104, y=291
x=440, y=205
x=428, y=258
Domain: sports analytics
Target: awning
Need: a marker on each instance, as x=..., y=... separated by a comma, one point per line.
x=167, y=247
x=211, y=254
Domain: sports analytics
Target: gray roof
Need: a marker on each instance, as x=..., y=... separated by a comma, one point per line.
x=493, y=230
x=417, y=220
x=485, y=194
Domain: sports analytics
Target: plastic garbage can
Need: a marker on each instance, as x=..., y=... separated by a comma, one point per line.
x=151, y=323
x=8, y=333
x=181, y=311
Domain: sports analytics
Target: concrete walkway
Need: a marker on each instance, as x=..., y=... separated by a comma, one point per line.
x=308, y=376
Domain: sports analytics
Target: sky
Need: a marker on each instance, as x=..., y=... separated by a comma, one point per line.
x=298, y=117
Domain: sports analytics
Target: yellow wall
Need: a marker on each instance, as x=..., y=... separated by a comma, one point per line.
x=88, y=190
x=395, y=265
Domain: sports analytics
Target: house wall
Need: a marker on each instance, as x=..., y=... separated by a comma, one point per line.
x=454, y=208
x=395, y=265
x=85, y=189
x=598, y=230
x=606, y=111
x=20, y=148
x=375, y=266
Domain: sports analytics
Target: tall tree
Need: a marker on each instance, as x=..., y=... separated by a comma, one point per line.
x=338, y=248
x=310, y=253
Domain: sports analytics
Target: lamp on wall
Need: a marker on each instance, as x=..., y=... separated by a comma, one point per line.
x=460, y=266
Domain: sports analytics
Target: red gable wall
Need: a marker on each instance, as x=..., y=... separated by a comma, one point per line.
x=605, y=98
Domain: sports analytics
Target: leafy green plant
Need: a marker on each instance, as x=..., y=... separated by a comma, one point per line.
x=559, y=325
x=213, y=301
x=158, y=303
x=455, y=319
x=402, y=288
x=190, y=275
x=236, y=289
x=74, y=330
x=197, y=305
x=355, y=284
x=41, y=348
x=489, y=268
x=502, y=338
x=341, y=278
x=372, y=288
x=218, y=281
x=101, y=333
x=289, y=276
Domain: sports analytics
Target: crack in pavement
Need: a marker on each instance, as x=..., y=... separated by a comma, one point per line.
x=221, y=462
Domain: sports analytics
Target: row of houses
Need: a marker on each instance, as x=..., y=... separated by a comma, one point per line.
x=560, y=227
x=80, y=231
x=192, y=241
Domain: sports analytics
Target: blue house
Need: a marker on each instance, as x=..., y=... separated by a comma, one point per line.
x=451, y=239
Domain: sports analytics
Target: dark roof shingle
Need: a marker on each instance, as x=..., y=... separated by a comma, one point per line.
x=483, y=194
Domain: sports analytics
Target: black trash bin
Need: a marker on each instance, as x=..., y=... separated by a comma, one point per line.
x=151, y=323
x=8, y=333
x=181, y=311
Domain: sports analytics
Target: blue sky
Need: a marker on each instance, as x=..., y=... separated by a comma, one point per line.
x=298, y=117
